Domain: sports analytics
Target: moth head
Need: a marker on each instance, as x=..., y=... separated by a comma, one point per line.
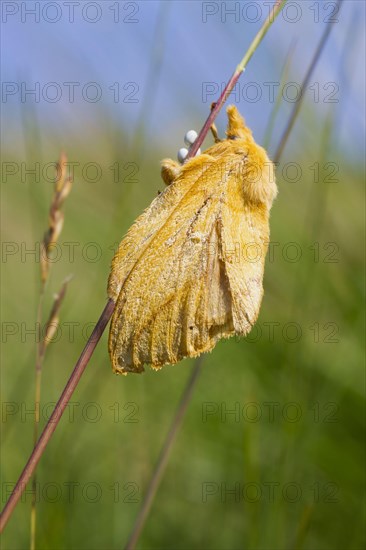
x=257, y=170
x=236, y=128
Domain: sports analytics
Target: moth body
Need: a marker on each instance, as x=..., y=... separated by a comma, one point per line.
x=190, y=269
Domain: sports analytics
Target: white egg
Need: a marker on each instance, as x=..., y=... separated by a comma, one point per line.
x=182, y=153
x=190, y=137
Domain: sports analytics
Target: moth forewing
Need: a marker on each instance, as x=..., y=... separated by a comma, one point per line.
x=182, y=278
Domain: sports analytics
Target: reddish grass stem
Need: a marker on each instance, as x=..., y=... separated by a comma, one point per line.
x=277, y=7
x=57, y=413
x=214, y=112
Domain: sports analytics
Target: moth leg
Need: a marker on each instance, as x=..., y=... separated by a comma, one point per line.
x=213, y=128
x=170, y=170
x=215, y=133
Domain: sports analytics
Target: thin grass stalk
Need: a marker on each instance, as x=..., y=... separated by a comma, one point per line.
x=55, y=222
x=315, y=230
x=305, y=83
x=164, y=455
x=274, y=112
x=56, y=413
x=37, y=400
x=153, y=77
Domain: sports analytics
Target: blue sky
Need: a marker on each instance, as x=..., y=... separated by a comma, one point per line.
x=157, y=60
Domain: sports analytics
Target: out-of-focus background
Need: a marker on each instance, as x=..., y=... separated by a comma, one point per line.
x=271, y=452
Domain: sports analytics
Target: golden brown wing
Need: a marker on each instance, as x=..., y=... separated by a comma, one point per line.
x=174, y=299
x=245, y=237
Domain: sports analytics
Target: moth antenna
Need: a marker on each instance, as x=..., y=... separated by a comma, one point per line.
x=213, y=128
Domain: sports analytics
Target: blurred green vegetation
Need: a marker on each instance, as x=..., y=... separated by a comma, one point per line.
x=294, y=449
